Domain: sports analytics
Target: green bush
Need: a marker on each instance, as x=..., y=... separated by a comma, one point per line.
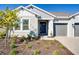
x=29, y=46
x=13, y=52
x=2, y=35
x=13, y=45
x=56, y=52
x=36, y=52
x=14, y=39
x=32, y=36
x=61, y=46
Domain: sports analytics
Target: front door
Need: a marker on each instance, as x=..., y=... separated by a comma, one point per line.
x=43, y=28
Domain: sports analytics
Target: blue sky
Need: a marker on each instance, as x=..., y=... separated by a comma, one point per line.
x=69, y=8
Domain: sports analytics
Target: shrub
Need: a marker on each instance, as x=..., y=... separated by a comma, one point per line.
x=36, y=52
x=56, y=52
x=14, y=39
x=2, y=35
x=13, y=45
x=61, y=46
x=13, y=52
x=29, y=46
x=32, y=36
x=13, y=42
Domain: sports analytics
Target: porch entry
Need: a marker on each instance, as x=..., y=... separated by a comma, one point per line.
x=43, y=27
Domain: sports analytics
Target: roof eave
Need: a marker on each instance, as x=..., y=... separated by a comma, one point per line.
x=25, y=9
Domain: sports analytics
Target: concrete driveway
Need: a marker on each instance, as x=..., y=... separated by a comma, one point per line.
x=70, y=43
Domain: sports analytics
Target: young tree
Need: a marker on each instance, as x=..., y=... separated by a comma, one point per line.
x=8, y=20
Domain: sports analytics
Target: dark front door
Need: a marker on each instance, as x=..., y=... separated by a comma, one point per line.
x=43, y=28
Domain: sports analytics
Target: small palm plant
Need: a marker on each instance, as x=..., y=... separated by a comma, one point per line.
x=36, y=52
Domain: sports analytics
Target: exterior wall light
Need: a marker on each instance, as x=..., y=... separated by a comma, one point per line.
x=73, y=25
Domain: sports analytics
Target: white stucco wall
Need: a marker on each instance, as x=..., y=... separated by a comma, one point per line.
x=33, y=23
x=50, y=27
x=70, y=32
x=62, y=21
x=41, y=13
x=71, y=22
x=70, y=26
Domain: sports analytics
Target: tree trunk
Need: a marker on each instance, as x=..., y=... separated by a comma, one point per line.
x=6, y=37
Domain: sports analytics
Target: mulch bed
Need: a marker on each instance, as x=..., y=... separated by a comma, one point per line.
x=45, y=46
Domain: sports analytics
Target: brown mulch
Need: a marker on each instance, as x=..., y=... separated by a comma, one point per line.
x=45, y=46
x=4, y=50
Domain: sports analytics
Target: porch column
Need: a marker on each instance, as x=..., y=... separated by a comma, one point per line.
x=50, y=28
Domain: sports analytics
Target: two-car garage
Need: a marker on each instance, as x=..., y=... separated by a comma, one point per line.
x=60, y=29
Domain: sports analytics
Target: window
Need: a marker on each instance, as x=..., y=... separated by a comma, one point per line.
x=25, y=24
x=17, y=27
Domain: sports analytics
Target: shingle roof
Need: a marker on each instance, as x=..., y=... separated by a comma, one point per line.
x=60, y=14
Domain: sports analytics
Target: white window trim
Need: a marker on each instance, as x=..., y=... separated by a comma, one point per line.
x=21, y=25
x=28, y=24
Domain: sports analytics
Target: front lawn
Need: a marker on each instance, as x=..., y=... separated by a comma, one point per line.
x=36, y=47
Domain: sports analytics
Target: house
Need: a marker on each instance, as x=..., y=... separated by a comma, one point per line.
x=44, y=23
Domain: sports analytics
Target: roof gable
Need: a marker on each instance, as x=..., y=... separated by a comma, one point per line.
x=30, y=6
x=74, y=14
x=22, y=7
x=53, y=14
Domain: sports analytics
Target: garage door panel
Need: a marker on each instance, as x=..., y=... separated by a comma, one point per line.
x=76, y=29
x=60, y=29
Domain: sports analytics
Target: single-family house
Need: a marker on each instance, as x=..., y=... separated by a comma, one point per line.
x=44, y=23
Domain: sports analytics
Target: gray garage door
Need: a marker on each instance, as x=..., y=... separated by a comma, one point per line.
x=60, y=29
x=76, y=29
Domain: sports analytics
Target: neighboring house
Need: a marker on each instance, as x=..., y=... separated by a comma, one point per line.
x=46, y=23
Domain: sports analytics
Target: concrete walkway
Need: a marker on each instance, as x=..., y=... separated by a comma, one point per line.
x=70, y=43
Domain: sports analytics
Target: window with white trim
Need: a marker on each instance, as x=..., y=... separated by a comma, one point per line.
x=25, y=24
x=17, y=27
